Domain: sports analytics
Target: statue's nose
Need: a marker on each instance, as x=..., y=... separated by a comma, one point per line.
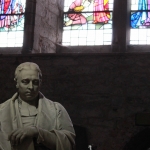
x=30, y=85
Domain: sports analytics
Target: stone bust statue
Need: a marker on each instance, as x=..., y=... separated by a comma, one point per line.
x=30, y=121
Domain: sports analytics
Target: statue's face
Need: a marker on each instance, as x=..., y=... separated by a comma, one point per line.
x=28, y=84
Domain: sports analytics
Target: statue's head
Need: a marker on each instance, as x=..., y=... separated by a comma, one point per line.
x=28, y=79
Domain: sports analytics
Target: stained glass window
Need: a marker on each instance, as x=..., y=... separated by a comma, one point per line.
x=87, y=22
x=12, y=22
x=140, y=22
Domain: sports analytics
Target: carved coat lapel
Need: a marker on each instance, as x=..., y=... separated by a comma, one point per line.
x=46, y=114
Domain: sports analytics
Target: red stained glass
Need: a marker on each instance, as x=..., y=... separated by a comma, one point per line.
x=12, y=22
x=88, y=16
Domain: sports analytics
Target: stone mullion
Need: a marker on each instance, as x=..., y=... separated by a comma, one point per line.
x=29, y=26
x=120, y=15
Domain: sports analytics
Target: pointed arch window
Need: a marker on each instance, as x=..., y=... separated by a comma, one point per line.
x=87, y=22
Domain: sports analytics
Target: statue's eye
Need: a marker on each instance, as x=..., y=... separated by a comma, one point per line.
x=26, y=81
x=36, y=82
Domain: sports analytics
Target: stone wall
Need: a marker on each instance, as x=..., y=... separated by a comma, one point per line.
x=101, y=92
x=48, y=25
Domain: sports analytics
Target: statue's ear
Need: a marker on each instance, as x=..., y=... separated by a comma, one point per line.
x=40, y=82
x=17, y=86
x=16, y=82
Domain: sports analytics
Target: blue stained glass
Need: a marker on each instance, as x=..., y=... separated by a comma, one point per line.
x=141, y=17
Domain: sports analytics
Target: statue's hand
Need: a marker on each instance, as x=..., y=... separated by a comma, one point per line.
x=17, y=136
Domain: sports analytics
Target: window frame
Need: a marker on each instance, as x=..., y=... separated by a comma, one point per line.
x=120, y=35
x=85, y=46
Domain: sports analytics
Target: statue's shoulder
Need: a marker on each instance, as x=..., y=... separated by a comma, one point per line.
x=8, y=102
x=49, y=103
x=4, y=104
x=57, y=105
x=47, y=100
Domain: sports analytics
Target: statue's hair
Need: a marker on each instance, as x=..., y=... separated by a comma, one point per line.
x=25, y=66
